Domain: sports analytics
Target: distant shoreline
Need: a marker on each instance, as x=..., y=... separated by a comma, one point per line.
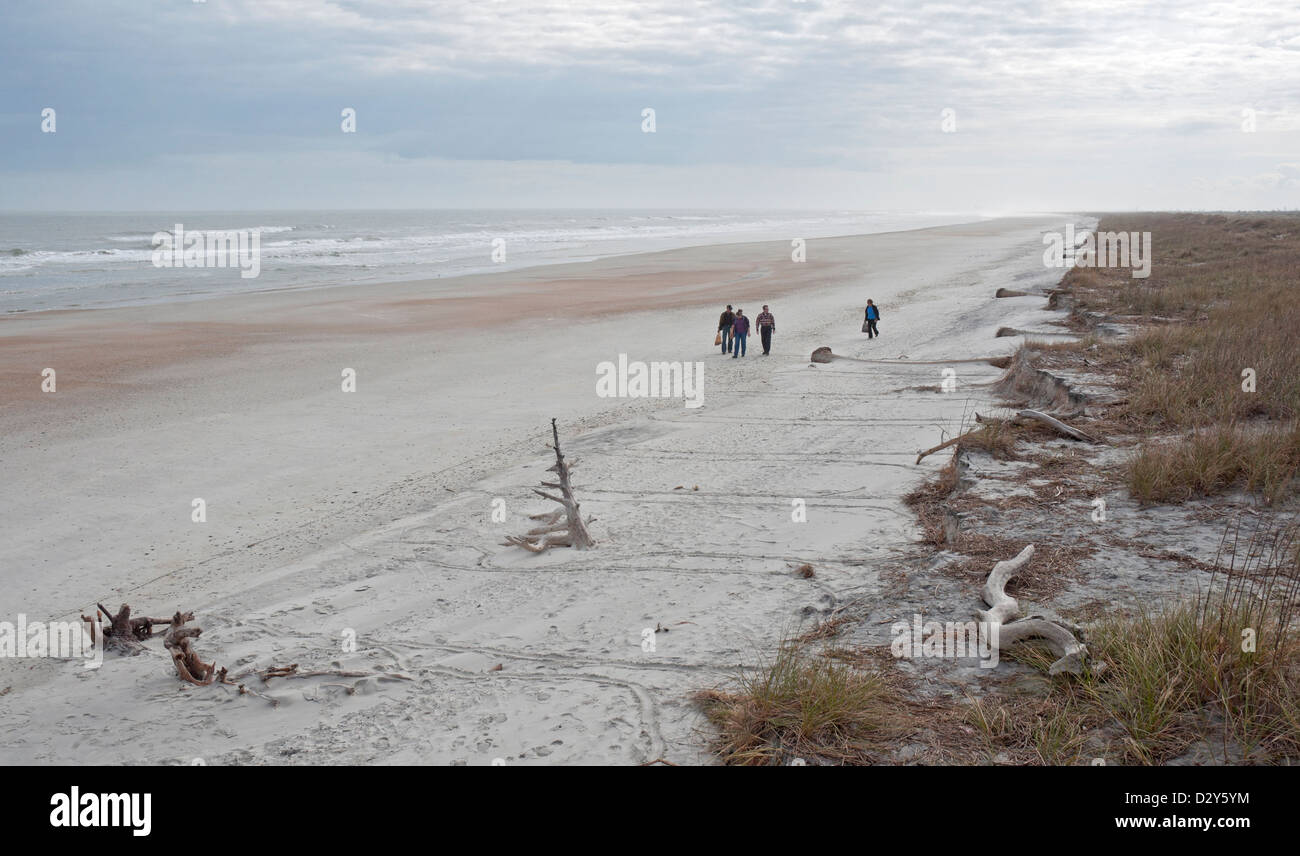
x=55, y=262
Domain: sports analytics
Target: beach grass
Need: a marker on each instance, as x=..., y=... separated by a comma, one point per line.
x=1210, y=369
x=802, y=706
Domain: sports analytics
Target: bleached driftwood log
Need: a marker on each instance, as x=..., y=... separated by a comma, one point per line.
x=1000, y=618
x=572, y=531
x=1056, y=424
x=1039, y=416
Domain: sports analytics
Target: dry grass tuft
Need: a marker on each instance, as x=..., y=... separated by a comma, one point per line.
x=804, y=705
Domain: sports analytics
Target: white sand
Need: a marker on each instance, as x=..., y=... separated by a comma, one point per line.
x=371, y=511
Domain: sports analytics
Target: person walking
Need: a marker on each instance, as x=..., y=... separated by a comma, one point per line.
x=739, y=333
x=724, y=328
x=869, y=325
x=766, y=327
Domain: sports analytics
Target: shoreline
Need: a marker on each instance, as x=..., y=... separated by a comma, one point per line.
x=745, y=265
x=616, y=250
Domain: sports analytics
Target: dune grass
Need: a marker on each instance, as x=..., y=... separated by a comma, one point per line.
x=1219, y=312
x=803, y=706
x=1215, y=459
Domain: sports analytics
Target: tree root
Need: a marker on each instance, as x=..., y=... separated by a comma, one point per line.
x=125, y=633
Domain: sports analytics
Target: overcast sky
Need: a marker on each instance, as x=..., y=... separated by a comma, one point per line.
x=236, y=104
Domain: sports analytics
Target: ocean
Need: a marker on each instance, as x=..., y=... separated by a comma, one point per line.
x=89, y=260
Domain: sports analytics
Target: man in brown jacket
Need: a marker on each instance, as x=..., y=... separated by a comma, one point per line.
x=724, y=327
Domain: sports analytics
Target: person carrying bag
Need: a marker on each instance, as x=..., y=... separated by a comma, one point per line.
x=724, y=330
x=869, y=324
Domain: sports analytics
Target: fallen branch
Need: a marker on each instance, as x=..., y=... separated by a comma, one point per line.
x=999, y=623
x=291, y=671
x=946, y=443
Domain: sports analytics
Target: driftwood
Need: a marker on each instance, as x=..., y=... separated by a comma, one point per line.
x=1038, y=416
x=999, y=620
x=1056, y=425
x=189, y=665
x=129, y=632
x=946, y=443
x=291, y=671
x=563, y=527
x=124, y=632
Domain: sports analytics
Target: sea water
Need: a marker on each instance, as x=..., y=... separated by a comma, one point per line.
x=86, y=260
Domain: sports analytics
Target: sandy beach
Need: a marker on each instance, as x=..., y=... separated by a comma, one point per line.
x=369, y=514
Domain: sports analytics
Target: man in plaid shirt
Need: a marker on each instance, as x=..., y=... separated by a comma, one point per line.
x=766, y=324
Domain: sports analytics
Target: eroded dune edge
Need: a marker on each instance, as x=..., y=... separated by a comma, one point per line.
x=1149, y=531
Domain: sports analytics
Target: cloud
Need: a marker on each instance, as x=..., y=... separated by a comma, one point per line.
x=777, y=85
